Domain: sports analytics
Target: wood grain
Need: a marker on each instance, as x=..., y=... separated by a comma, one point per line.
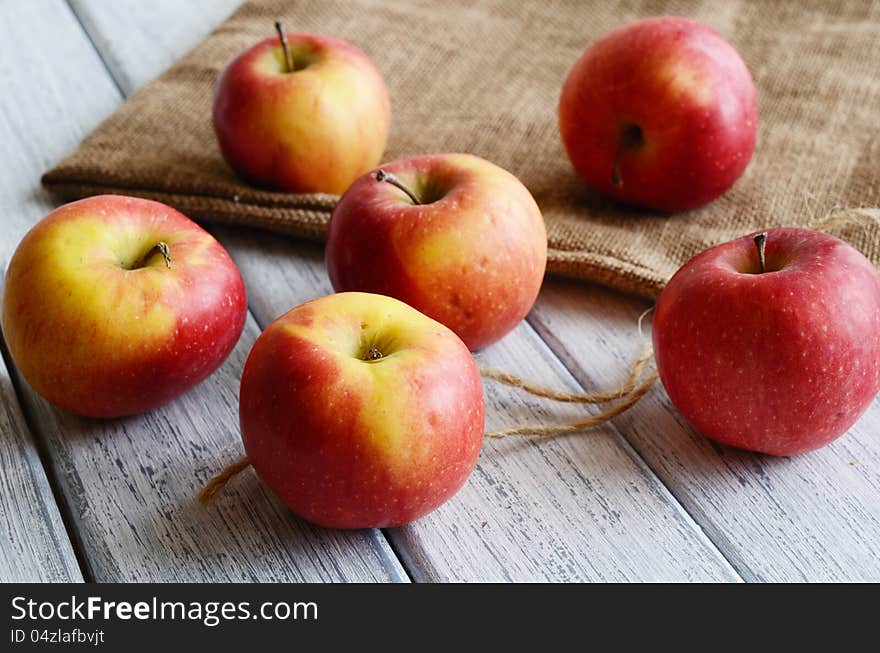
x=812, y=517
x=579, y=508
x=129, y=485
x=34, y=546
x=138, y=40
x=571, y=509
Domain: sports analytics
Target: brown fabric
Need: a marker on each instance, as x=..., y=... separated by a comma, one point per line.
x=484, y=77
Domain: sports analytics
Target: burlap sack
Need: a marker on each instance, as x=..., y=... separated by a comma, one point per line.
x=483, y=76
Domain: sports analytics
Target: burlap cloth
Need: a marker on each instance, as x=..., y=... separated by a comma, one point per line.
x=484, y=77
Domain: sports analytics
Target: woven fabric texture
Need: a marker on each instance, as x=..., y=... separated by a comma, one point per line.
x=484, y=77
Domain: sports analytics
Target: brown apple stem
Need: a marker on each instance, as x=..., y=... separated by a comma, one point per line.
x=288, y=59
x=616, y=179
x=165, y=251
x=218, y=482
x=162, y=248
x=615, y=171
x=374, y=354
x=631, y=137
x=761, y=244
x=394, y=181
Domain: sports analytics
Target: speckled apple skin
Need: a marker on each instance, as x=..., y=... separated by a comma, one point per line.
x=781, y=362
x=472, y=259
x=351, y=443
x=689, y=92
x=101, y=340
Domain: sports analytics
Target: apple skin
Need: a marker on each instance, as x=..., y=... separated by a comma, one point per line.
x=101, y=340
x=672, y=101
x=311, y=131
x=351, y=443
x=780, y=362
x=473, y=258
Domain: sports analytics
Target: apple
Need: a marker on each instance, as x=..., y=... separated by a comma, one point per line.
x=775, y=350
x=358, y=411
x=660, y=113
x=452, y=235
x=114, y=305
x=301, y=113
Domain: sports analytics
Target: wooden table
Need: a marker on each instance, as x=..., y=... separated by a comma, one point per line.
x=646, y=498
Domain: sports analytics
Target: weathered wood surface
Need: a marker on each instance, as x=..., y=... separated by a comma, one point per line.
x=582, y=507
x=156, y=33
x=34, y=545
x=813, y=517
x=576, y=509
x=129, y=485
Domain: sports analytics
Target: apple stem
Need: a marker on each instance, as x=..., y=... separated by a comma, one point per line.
x=615, y=171
x=622, y=145
x=381, y=175
x=761, y=244
x=374, y=354
x=161, y=247
x=165, y=251
x=288, y=59
x=630, y=138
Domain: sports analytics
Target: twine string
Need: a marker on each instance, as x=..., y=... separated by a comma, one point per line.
x=218, y=482
x=861, y=216
x=629, y=385
x=628, y=394
x=549, y=430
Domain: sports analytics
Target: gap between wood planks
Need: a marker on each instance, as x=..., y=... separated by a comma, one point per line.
x=540, y=332
x=70, y=531
x=64, y=509
x=581, y=377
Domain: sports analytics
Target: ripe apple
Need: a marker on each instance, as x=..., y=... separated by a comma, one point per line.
x=301, y=113
x=660, y=113
x=778, y=358
x=358, y=411
x=114, y=305
x=452, y=235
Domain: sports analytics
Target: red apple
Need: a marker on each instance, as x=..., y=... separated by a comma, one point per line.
x=780, y=361
x=660, y=113
x=114, y=305
x=310, y=128
x=452, y=235
x=358, y=411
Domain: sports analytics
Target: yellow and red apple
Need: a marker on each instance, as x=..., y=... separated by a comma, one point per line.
x=114, y=305
x=358, y=411
x=453, y=235
x=660, y=113
x=771, y=342
x=306, y=115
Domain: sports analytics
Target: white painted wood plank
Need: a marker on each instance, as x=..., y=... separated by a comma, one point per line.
x=812, y=517
x=129, y=485
x=140, y=39
x=34, y=546
x=572, y=509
